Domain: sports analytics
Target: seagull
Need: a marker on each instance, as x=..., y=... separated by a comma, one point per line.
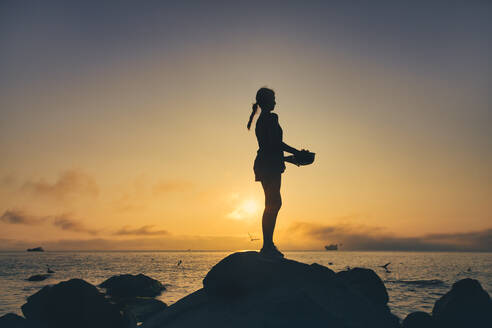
x=179, y=262
x=251, y=237
x=385, y=267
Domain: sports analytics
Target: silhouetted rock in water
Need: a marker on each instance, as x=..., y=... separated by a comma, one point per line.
x=141, y=307
x=248, y=290
x=39, y=277
x=467, y=304
x=12, y=320
x=128, y=285
x=367, y=282
x=76, y=304
x=36, y=249
x=418, y=319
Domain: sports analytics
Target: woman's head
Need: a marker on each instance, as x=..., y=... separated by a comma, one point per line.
x=265, y=98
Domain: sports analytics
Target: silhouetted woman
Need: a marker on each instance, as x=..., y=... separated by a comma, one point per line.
x=269, y=164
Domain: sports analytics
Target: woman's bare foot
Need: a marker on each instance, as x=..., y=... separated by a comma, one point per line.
x=271, y=251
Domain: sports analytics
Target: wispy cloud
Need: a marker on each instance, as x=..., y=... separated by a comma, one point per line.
x=20, y=217
x=67, y=223
x=372, y=238
x=142, y=231
x=64, y=222
x=69, y=183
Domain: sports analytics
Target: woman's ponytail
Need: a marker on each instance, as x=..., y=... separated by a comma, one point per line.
x=253, y=112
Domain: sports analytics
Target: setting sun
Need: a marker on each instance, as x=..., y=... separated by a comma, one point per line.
x=246, y=209
x=250, y=206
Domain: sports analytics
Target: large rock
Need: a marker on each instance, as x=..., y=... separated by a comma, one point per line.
x=39, y=277
x=128, y=285
x=248, y=290
x=141, y=307
x=12, y=320
x=367, y=282
x=73, y=303
x=467, y=304
x=245, y=272
x=418, y=319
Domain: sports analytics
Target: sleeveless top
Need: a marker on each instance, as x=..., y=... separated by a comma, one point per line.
x=269, y=160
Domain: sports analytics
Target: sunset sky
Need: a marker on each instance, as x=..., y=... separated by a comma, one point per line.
x=123, y=125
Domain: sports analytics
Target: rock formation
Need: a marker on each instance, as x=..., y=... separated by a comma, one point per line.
x=367, y=282
x=418, y=319
x=73, y=303
x=248, y=290
x=39, y=277
x=12, y=320
x=467, y=304
x=127, y=285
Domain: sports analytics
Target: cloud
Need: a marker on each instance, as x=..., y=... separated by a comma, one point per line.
x=376, y=239
x=63, y=221
x=66, y=223
x=69, y=183
x=19, y=217
x=142, y=231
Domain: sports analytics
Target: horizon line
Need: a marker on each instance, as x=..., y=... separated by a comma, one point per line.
x=241, y=250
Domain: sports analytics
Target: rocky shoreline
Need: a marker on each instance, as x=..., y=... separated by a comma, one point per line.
x=247, y=290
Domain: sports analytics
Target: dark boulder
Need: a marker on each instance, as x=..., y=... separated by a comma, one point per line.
x=73, y=303
x=36, y=249
x=418, y=319
x=12, y=320
x=128, y=285
x=243, y=272
x=367, y=282
x=467, y=304
x=249, y=290
x=39, y=277
x=141, y=307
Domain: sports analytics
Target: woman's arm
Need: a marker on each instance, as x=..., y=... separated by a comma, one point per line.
x=289, y=149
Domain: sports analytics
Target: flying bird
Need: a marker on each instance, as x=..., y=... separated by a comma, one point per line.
x=385, y=267
x=251, y=238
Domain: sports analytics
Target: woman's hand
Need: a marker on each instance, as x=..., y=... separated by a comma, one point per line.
x=303, y=157
x=291, y=159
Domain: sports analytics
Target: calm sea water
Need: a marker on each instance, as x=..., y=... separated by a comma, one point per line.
x=415, y=282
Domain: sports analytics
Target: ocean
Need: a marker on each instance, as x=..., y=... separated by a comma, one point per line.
x=414, y=282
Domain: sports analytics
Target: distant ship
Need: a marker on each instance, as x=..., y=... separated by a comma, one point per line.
x=36, y=249
x=332, y=247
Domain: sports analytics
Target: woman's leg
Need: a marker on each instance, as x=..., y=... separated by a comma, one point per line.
x=273, y=202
